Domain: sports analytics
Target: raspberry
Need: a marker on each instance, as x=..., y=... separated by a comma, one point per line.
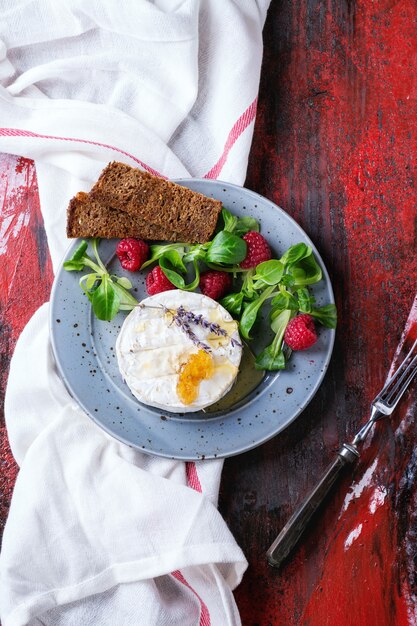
x=156, y=281
x=132, y=253
x=258, y=250
x=215, y=284
x=300, y=333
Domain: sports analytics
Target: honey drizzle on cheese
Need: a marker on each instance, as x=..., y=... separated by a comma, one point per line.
x=215, y=317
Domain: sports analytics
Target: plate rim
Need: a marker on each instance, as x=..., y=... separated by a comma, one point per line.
x=243, y=448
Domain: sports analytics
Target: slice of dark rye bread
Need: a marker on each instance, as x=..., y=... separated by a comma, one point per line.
x=157, y=201
x=88, y=218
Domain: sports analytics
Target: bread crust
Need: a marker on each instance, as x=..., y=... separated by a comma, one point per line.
x=157, y=201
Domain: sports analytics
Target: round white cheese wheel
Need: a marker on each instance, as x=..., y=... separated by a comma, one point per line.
x=152, y=348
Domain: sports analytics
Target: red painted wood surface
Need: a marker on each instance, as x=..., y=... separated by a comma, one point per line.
x=25, y=282
x=335, y=146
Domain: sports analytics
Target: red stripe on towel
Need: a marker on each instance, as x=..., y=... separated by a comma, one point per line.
x=193, y=480
x=204, y=613
x=242, y=123
x=15, y=132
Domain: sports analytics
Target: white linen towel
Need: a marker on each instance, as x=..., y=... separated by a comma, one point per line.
x=99, y=533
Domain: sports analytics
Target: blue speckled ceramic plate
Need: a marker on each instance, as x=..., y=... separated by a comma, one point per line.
x=84, y=349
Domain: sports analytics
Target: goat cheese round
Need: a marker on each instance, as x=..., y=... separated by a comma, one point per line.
x=158, y=338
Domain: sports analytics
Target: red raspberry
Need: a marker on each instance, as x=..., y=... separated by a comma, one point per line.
x=300, y=333
x=258, y=250
x=215, y=284
x=156, y=281
x=132, y=253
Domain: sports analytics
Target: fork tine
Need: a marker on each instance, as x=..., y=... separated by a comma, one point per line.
x=403, y=382
x=398, y=383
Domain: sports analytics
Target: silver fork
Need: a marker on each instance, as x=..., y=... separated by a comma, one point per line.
x=383, y=404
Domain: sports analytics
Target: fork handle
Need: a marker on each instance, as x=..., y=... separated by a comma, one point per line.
x=298, y=522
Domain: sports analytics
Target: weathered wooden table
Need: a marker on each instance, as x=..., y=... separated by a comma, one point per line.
x=335, y=145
